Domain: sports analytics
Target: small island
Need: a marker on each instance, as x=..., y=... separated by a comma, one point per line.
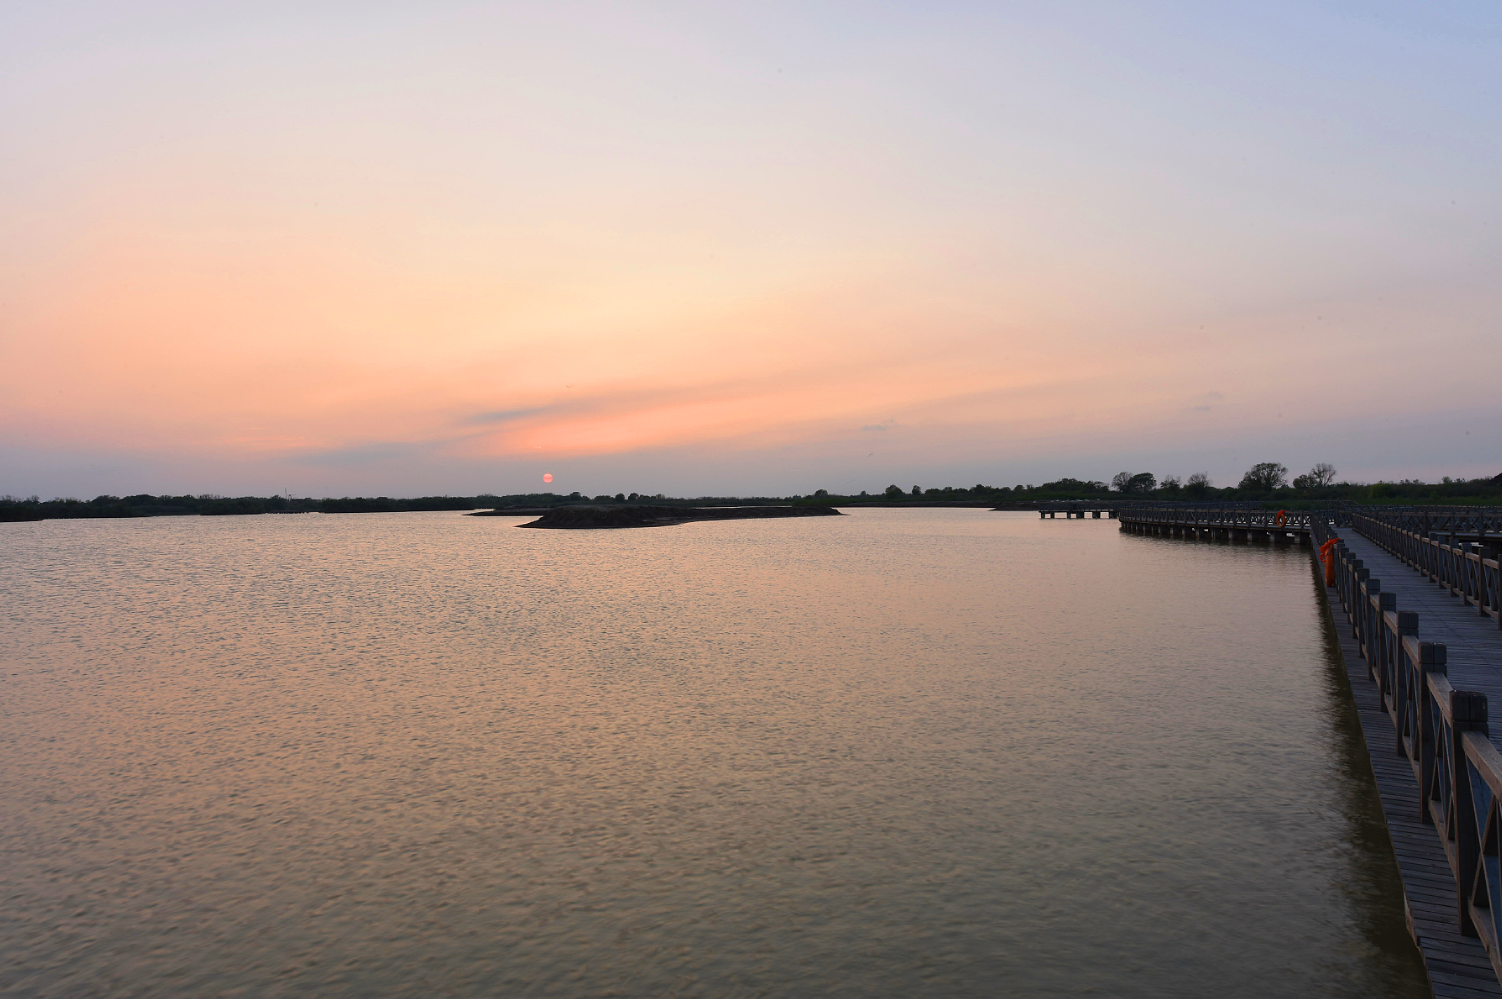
x=590, y=517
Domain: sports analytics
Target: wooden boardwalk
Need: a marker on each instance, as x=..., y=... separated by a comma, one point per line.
x=1417, y=614
x=1416, y=599
x=1221, y=523
x=1458, y=965
x=1473, y=639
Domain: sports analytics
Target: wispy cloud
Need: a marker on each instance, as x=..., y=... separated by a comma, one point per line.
x=507, y=415
x=1205, y=402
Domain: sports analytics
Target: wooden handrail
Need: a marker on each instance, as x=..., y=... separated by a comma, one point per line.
x=1293, y=520
x=1468, y=571
x=1485, y=758
x=1440, y=690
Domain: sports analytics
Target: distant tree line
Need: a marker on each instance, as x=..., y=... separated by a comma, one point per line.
x=207, y=505
x=145, y=505
x=1265, y=481
x=1268, y=480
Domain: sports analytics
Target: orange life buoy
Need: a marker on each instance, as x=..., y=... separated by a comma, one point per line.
x=1281, y=519
x=1326, y=557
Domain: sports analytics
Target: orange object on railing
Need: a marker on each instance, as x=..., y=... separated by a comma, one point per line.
x=1281, y=520
x=1329, y=560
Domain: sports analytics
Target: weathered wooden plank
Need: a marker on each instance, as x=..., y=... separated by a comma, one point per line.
x=1459, y=959
x=1438, y=977
x=1460, y=966
x=1456, y=992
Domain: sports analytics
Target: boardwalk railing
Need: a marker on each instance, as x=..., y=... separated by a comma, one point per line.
x=1441, y=731
x=1477, y=521
x=1072, y=509
x=1231, y=523
x=1469, y=571
x=1117, y=506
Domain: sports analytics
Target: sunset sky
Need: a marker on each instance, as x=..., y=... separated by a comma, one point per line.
x=744, y=248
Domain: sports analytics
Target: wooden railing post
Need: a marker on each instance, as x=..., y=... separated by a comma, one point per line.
x=1406, y=695
x=1486, y=593
x=1467, y=590
x=1497, y=588
x=1468, y=712
x=1369, y=636
x=1484, y=764
x=1385, y=648
x=1359, y=574
x=1431, y=659
x=1489, y=596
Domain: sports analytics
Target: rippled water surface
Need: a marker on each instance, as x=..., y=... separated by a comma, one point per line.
x=899, y=753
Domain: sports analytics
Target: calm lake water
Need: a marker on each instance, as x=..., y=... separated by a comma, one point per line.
x=901, y=753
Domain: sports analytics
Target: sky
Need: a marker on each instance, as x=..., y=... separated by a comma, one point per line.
x=720, y=249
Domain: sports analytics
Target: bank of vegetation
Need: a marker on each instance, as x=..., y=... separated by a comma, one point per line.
x=145, y=505
x=1270, y=483
x=1266, y=482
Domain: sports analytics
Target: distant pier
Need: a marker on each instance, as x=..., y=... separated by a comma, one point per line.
x=1278, y=527
x=1080, y=509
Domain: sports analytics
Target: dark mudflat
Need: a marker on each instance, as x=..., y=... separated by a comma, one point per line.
x=587, y=517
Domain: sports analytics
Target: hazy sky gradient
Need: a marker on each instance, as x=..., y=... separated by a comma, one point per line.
x=767, y=248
